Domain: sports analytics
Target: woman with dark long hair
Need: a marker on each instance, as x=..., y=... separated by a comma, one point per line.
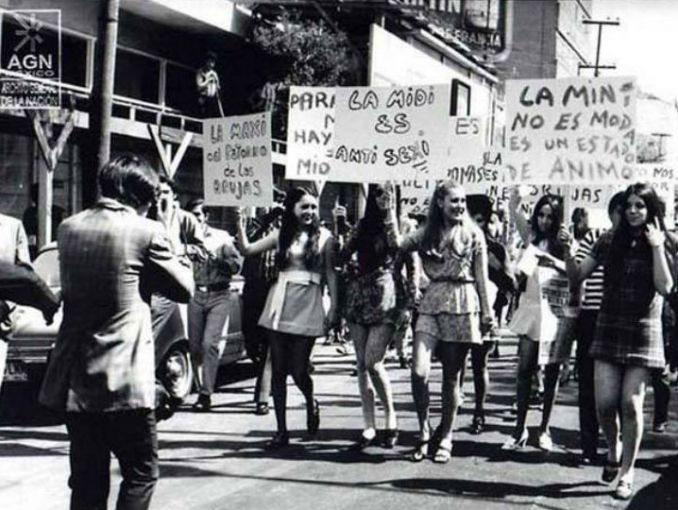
x=637, y=261
x=294, y=315
x=452, y=312
x=541, y=232
x=372, y=310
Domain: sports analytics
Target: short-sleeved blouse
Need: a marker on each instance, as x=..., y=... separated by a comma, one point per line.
x=452, y=276
x=628, y=330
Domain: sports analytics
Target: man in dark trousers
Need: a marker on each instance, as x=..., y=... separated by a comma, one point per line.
x=102, y=368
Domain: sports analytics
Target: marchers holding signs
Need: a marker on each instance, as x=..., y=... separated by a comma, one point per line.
x=571, y=131
x=237, y=168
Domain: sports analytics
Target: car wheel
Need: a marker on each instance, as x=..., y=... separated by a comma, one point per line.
x=176, y=372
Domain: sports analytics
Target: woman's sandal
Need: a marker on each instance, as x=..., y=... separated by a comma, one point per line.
x=443, y=454
x=420, y=451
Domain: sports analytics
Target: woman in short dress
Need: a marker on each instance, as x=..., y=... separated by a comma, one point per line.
x=372, y=309
x=453, y=310
x=637, y=262
x=542, y=232
x=294, y=315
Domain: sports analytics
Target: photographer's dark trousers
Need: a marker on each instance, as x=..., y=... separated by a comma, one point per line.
x=256, y=338
x=131, y=436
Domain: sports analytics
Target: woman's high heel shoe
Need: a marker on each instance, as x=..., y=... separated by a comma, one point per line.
x=390, y=438
x=514, y=443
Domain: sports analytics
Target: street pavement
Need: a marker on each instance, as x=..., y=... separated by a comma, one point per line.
x=216, y=460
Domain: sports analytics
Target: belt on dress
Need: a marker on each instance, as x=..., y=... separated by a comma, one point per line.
x=213, y=287
x=299, y=277
x=451, y=280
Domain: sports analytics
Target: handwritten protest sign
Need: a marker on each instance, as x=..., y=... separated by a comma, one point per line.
x=571, y=131
x=310, y=133
x=390, y=133
x=237, y=169
x=468, y=164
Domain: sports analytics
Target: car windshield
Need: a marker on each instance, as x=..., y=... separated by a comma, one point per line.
x=47, y=266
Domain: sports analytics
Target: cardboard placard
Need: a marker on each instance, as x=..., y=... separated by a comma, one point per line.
x=237, y=168
x=390, y=133
x=571, y=131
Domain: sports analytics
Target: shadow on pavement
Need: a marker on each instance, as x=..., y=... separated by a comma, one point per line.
x=659, y=495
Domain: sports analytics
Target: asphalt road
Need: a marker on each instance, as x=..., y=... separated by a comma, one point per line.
x=216, y=460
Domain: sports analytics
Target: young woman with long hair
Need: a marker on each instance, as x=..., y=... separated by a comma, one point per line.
x=541, y=232
x=453, y=310
x=294, y=315
x=637, y=262
x=372, y=309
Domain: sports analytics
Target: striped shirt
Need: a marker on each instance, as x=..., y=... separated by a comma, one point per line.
x=592, y=288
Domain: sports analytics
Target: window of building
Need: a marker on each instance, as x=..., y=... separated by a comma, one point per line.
x=136, y=76
x=180, y=92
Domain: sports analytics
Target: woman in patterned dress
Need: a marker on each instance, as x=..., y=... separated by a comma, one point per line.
x=542, y=232
x=453, y=310
x=372, y=309
x=294, y=315
x=628, y=338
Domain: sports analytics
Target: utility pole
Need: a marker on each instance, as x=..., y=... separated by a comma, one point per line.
x=597, y=67
x=101, y=101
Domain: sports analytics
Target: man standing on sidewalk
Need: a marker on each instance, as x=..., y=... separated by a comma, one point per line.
x=102, y=369
x=208, y=310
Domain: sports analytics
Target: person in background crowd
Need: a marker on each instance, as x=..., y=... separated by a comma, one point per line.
x=628, y=337
x=591, y=296
x=260, y=272
x=294, y=313
x=102, y=368
x=342, y=231
x=209, y=87
x=580, y=223
x=30, y=220
x=503, y=285
x=542, y=232
x=208, y=310
x=14, y=250
x=453, y=313
x=372, y=309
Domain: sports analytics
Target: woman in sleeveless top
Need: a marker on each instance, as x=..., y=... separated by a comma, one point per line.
x=373, y=307
x=638, y=263
x=452, y=312
x=294, y=315
x=542, y=232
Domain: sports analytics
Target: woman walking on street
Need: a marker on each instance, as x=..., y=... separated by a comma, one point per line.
x=372, y=309
x=541, y=232
x=453, y=310
x=294, y=315
x=628, y=338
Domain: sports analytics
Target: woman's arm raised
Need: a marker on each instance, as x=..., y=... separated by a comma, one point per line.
x=270, y=242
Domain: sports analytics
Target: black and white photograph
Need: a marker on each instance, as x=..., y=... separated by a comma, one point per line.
x=338, y=254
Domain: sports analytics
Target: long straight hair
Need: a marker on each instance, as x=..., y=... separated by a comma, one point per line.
x=289, y=228
x=555, y=247
x=435, y=225
x=372, y=247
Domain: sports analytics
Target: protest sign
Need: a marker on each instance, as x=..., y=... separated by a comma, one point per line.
x=390, y=133
x=237, y=168
x=310, y=132
x=571, y=131
x=469, y=164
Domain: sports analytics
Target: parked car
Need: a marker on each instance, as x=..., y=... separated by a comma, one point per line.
x=31, y=339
